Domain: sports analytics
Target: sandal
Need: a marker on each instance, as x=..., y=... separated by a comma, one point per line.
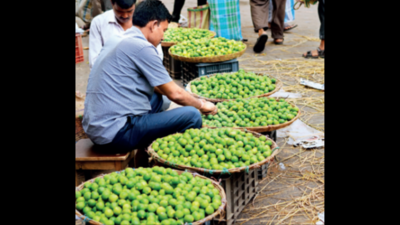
x=294, y=26
x=321, y=53
x=278, y=43
x=260, y=44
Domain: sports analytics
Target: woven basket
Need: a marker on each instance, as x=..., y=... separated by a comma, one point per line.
x=278, y=85
x=268, y=128
x=208, y=59
x=157, y=158
x=169, y=44
x=219, y=211
x=79, y=110
x=79, y=132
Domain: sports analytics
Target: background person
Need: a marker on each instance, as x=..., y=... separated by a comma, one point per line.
x=112, y=22
x=259, y=16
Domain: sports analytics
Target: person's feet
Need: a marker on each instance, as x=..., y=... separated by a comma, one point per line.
x=278, y=41
x=261, y=40
x=289, y=27
x=314, y=53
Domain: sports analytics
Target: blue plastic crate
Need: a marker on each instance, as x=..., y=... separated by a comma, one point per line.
x=192, y=71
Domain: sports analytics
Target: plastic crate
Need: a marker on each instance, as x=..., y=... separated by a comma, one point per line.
x=172, y=65
x=191, y=71
x=240, y=188
x=262, y=171
x=78, y=49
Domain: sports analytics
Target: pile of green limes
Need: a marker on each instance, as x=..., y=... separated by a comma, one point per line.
x=183, y=34
x=148, y=196
x=214, y=149
x=253, y=112
x=207, y=47
x=235, y=85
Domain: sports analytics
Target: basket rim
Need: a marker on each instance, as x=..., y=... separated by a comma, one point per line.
x=278, y=86
x=171, y=43
x=208, y=59
x=205, y=219
x=269, y=127
x=274, y=146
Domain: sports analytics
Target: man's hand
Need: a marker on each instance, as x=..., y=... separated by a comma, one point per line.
x=208, y=108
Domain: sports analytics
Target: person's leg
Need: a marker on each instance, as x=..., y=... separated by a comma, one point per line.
x=178, y=4
x=321, y=14
x=278, y=18
x=259, y=14
x=140, y=131
x=320, y=52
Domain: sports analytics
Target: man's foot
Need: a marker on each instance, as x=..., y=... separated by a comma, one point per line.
x=260, y=44
x=315, y=54
x=289, y=27
x=278, y=41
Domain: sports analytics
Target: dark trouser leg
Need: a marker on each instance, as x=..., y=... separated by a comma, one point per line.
x=278, y=18
x=178, y=4
x=140, y=131
x=321, y=14
x=259, y=14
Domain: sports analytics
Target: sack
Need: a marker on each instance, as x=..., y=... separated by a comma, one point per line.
x=199, y=17
x=84, y=10
x=225, y=19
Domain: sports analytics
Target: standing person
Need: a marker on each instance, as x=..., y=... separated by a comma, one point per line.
x=178, y=4
x=259, y=16
x=320, y=52
x=112, y=22
x=123, y=97
x=289, y=15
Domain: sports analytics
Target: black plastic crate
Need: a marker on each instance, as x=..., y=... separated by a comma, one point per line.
x=173, y=66
x=239, y=188
x=262, y=171
x=191, y=71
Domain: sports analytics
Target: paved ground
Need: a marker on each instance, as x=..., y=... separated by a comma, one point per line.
x=294, y=195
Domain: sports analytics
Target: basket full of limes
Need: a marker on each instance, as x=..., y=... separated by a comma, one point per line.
x=155, y=195
x=262, y=114
x=207, y=50
x=222, y=87
x=175, y=35
x=214, y=151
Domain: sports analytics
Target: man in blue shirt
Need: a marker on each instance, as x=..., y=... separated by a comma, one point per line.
x=125, y=88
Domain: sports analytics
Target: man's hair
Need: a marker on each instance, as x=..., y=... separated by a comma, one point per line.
x=149, y=10
x=125, y=4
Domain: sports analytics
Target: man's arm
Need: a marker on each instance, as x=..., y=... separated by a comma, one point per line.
x=182, y=97
x=95, y=42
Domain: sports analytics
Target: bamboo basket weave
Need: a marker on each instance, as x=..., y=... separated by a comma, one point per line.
x=268, y=128
x=169, y=44
x=278, y=85
x=208, y=59
x=79, y=110
x=219, y=211
x=162, y=161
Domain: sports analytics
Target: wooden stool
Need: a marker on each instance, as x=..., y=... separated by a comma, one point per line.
x=87, y=159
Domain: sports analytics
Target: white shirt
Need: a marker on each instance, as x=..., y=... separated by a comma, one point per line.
x=102, y=28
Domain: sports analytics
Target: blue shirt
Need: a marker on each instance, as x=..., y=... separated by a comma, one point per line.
x=121, y=84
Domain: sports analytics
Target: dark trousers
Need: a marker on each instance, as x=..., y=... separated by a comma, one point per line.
x=321, y=14
x=259, y=15
x=140, y=131
x=178, y=4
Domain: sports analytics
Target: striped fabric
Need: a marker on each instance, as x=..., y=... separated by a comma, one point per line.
x=199, y=17
x=225, y=19
x=289, y=11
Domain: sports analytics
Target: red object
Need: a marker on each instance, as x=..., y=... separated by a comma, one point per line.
x=78, y=49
